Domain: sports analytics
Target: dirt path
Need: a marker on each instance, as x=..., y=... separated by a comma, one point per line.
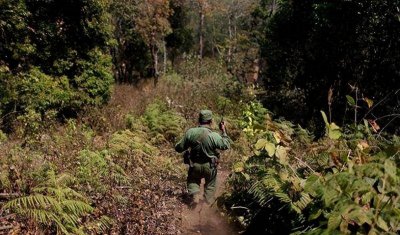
x=207, y=220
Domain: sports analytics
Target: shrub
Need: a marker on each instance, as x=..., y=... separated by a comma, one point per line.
x=340, y=184
x=3, y=137
x=53, y=204
x=162, y=121
x=92, y=169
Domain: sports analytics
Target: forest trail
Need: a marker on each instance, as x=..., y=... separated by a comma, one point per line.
x=206, y=220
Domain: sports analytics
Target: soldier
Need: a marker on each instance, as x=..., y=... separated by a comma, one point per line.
x=203, y=156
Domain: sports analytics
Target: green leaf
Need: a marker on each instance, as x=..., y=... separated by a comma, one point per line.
x=315, y=214
x=334, y=220
x=238, y=167
x=313, y=185
x=334, y=132
x=382, y=224
x=246, y=176
x=325, y=118
x=277, y=137
x=281, y=154
x=270, y=147
x=350, y=100
x=261, y=144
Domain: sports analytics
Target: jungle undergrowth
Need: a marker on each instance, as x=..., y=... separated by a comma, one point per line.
x=120, y=156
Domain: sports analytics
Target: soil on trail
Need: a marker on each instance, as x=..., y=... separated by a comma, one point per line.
x=207, y=220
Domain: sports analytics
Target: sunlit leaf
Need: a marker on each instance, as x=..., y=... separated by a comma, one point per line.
x=334, y=131
x=270, y=147
x=334, y=221
x=277, y=137
x=281, y=154
x=369, y=102
x=238, y=167
x=246, y=176
x=325, y=118
x=261, y=144
x=382, y=224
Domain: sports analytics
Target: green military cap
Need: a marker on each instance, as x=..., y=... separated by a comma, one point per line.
x=205, y=115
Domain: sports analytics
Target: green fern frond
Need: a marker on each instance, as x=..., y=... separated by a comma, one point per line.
x=41, y=215
x=303, y=202
x=70, y=219
x=53, y=204
x=103, y=224
x=37, y=201
x=261, y=194
x=75, y=207
x=283, y=197
x=65, y=179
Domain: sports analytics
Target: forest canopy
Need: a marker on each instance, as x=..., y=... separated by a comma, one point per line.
x=309, y=56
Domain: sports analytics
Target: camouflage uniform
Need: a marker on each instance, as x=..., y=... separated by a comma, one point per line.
x=203, y=143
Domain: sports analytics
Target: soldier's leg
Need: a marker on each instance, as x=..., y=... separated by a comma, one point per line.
x=210, y=183
x=194, y=179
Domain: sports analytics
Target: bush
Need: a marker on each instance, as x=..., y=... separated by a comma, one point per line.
x=340, y=184
x=3, y=137
x=54, y=205
x=162, y=121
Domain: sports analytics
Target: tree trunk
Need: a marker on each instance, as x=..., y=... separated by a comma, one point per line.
x=165, y=58
x=201, y=38
x=229, y=59
x=201, y=33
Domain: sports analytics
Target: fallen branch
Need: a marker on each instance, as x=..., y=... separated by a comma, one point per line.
x=6, y=227
x=123, y=187
x=6, y=217
x=8, y=195
x=240, y=207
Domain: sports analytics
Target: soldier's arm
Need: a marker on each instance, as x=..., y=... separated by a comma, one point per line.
x=182, y=145
x=221, y=142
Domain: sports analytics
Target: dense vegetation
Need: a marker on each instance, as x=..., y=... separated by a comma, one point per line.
x=344, y=183
x=53, y=60
x=317, y=52
x=93, y=95
x=110, y=170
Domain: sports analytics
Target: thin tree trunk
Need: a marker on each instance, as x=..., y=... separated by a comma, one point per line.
x=230, y=40
x=201, y=38
x=201, y=33
x=154, y=55
x=165, y=58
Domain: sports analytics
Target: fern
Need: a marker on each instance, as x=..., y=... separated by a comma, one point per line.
x=53, y=204
x=162, y=121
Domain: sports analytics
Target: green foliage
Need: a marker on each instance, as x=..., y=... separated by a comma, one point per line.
x=363, y=198
x=336, y=185
x=51, y=64
x=92, y=168
x=96, y=78
x=160, y=120
x=331, y=129
x=97, y=171
x=53, y=203
x=3, y=137
x=253, y=118
x=127, y=142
